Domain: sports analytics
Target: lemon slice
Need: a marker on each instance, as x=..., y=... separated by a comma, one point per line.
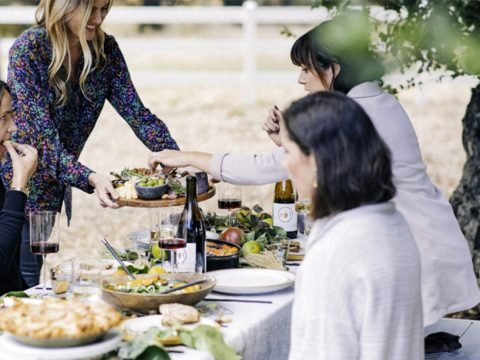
x=60, y=287
x=157, y=270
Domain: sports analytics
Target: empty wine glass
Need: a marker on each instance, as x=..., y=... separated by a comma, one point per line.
x=44, y=237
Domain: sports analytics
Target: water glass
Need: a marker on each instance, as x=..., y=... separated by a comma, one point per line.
x=87, y=277
x=62, y=277
x=304, y=221
x=137, y=247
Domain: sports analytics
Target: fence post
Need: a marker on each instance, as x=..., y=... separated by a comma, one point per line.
x=249, y=51
x=1, y=63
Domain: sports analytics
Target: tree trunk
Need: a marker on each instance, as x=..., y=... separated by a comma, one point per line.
x=466, y=197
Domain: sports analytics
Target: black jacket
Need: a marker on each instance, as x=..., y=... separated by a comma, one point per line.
x=12, y=218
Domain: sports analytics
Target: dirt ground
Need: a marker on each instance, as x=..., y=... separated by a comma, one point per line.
x=214, y=119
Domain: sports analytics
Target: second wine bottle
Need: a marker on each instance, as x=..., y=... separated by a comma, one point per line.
x=284, y=214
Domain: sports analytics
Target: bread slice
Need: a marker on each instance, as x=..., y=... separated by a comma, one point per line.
x=178, y=314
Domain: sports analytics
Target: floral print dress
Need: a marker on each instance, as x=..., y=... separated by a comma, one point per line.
x=60, y=132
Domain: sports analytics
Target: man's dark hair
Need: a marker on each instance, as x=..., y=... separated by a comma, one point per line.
x=353, y=163
x=3, y=86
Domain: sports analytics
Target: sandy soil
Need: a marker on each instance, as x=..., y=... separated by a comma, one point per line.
x=214, y=119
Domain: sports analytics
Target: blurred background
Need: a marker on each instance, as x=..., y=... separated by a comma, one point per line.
x=211, y=70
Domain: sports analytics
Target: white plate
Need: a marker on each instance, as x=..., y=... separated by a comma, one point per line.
x=110, y=342
x=251, y=281
x=144, y=323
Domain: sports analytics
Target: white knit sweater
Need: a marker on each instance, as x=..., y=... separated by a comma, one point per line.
x=357, y=292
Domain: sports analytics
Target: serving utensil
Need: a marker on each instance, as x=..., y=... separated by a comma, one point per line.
x=115, y=255
x=191, y=283
x=241, y=301
x=117, y=175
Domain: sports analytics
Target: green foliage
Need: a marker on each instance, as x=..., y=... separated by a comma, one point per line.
x=210, y=339
x=18, y=294
x=146, y=346
x=428, y=35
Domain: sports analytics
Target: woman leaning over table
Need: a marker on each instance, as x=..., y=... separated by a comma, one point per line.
x=12, y=202
x=61, y=72
x=357, y=292
x=448, y=279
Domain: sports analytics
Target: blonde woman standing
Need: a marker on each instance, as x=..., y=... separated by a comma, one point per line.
x=61, y=72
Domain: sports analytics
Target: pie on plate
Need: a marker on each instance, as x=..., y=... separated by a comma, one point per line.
x=55, y=322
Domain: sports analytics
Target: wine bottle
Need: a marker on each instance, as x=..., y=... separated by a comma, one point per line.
x=284, y=214
x=191, y=227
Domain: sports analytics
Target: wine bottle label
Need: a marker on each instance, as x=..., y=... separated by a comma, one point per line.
x=285, y=216
x=186, y=258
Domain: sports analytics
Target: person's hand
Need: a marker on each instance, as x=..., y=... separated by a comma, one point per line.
x=168, y=159
x=272, y=125
x=24, y=162
x=105, y=192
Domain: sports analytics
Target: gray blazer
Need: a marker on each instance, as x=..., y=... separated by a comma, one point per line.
x=448, y=281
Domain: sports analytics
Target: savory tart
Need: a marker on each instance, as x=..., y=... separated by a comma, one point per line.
x=58, y=319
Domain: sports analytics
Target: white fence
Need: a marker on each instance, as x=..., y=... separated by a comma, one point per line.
x=249, y=16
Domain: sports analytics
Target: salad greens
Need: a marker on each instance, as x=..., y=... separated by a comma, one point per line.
x=255, y=223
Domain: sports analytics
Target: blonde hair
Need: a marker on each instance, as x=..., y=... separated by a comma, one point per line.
x=54, y=16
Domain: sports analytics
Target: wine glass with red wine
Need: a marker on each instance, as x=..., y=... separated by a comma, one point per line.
x=229, y=199
x=167, y=236
x=44, y=237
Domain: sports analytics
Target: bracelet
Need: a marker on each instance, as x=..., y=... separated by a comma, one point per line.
x=22, y=189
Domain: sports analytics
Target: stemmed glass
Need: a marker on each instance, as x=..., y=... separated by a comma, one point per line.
x=44, y=237
x=229, y=199
x=167, y=236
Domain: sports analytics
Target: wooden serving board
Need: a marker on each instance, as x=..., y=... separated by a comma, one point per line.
x=164, y=203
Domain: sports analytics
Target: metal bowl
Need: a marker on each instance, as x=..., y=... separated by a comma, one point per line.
x=151, y=192
x=144, y=303
x=223, y=262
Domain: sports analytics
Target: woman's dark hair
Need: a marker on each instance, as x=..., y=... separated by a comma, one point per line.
x=343, y=40
x=353, y=163
x=3, y=86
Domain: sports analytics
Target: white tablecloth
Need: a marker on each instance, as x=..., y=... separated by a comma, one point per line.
x=258, y=331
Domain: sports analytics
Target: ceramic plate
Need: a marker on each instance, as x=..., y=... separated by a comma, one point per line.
x=57, y=343
x=109, y=342
x=251, y=281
